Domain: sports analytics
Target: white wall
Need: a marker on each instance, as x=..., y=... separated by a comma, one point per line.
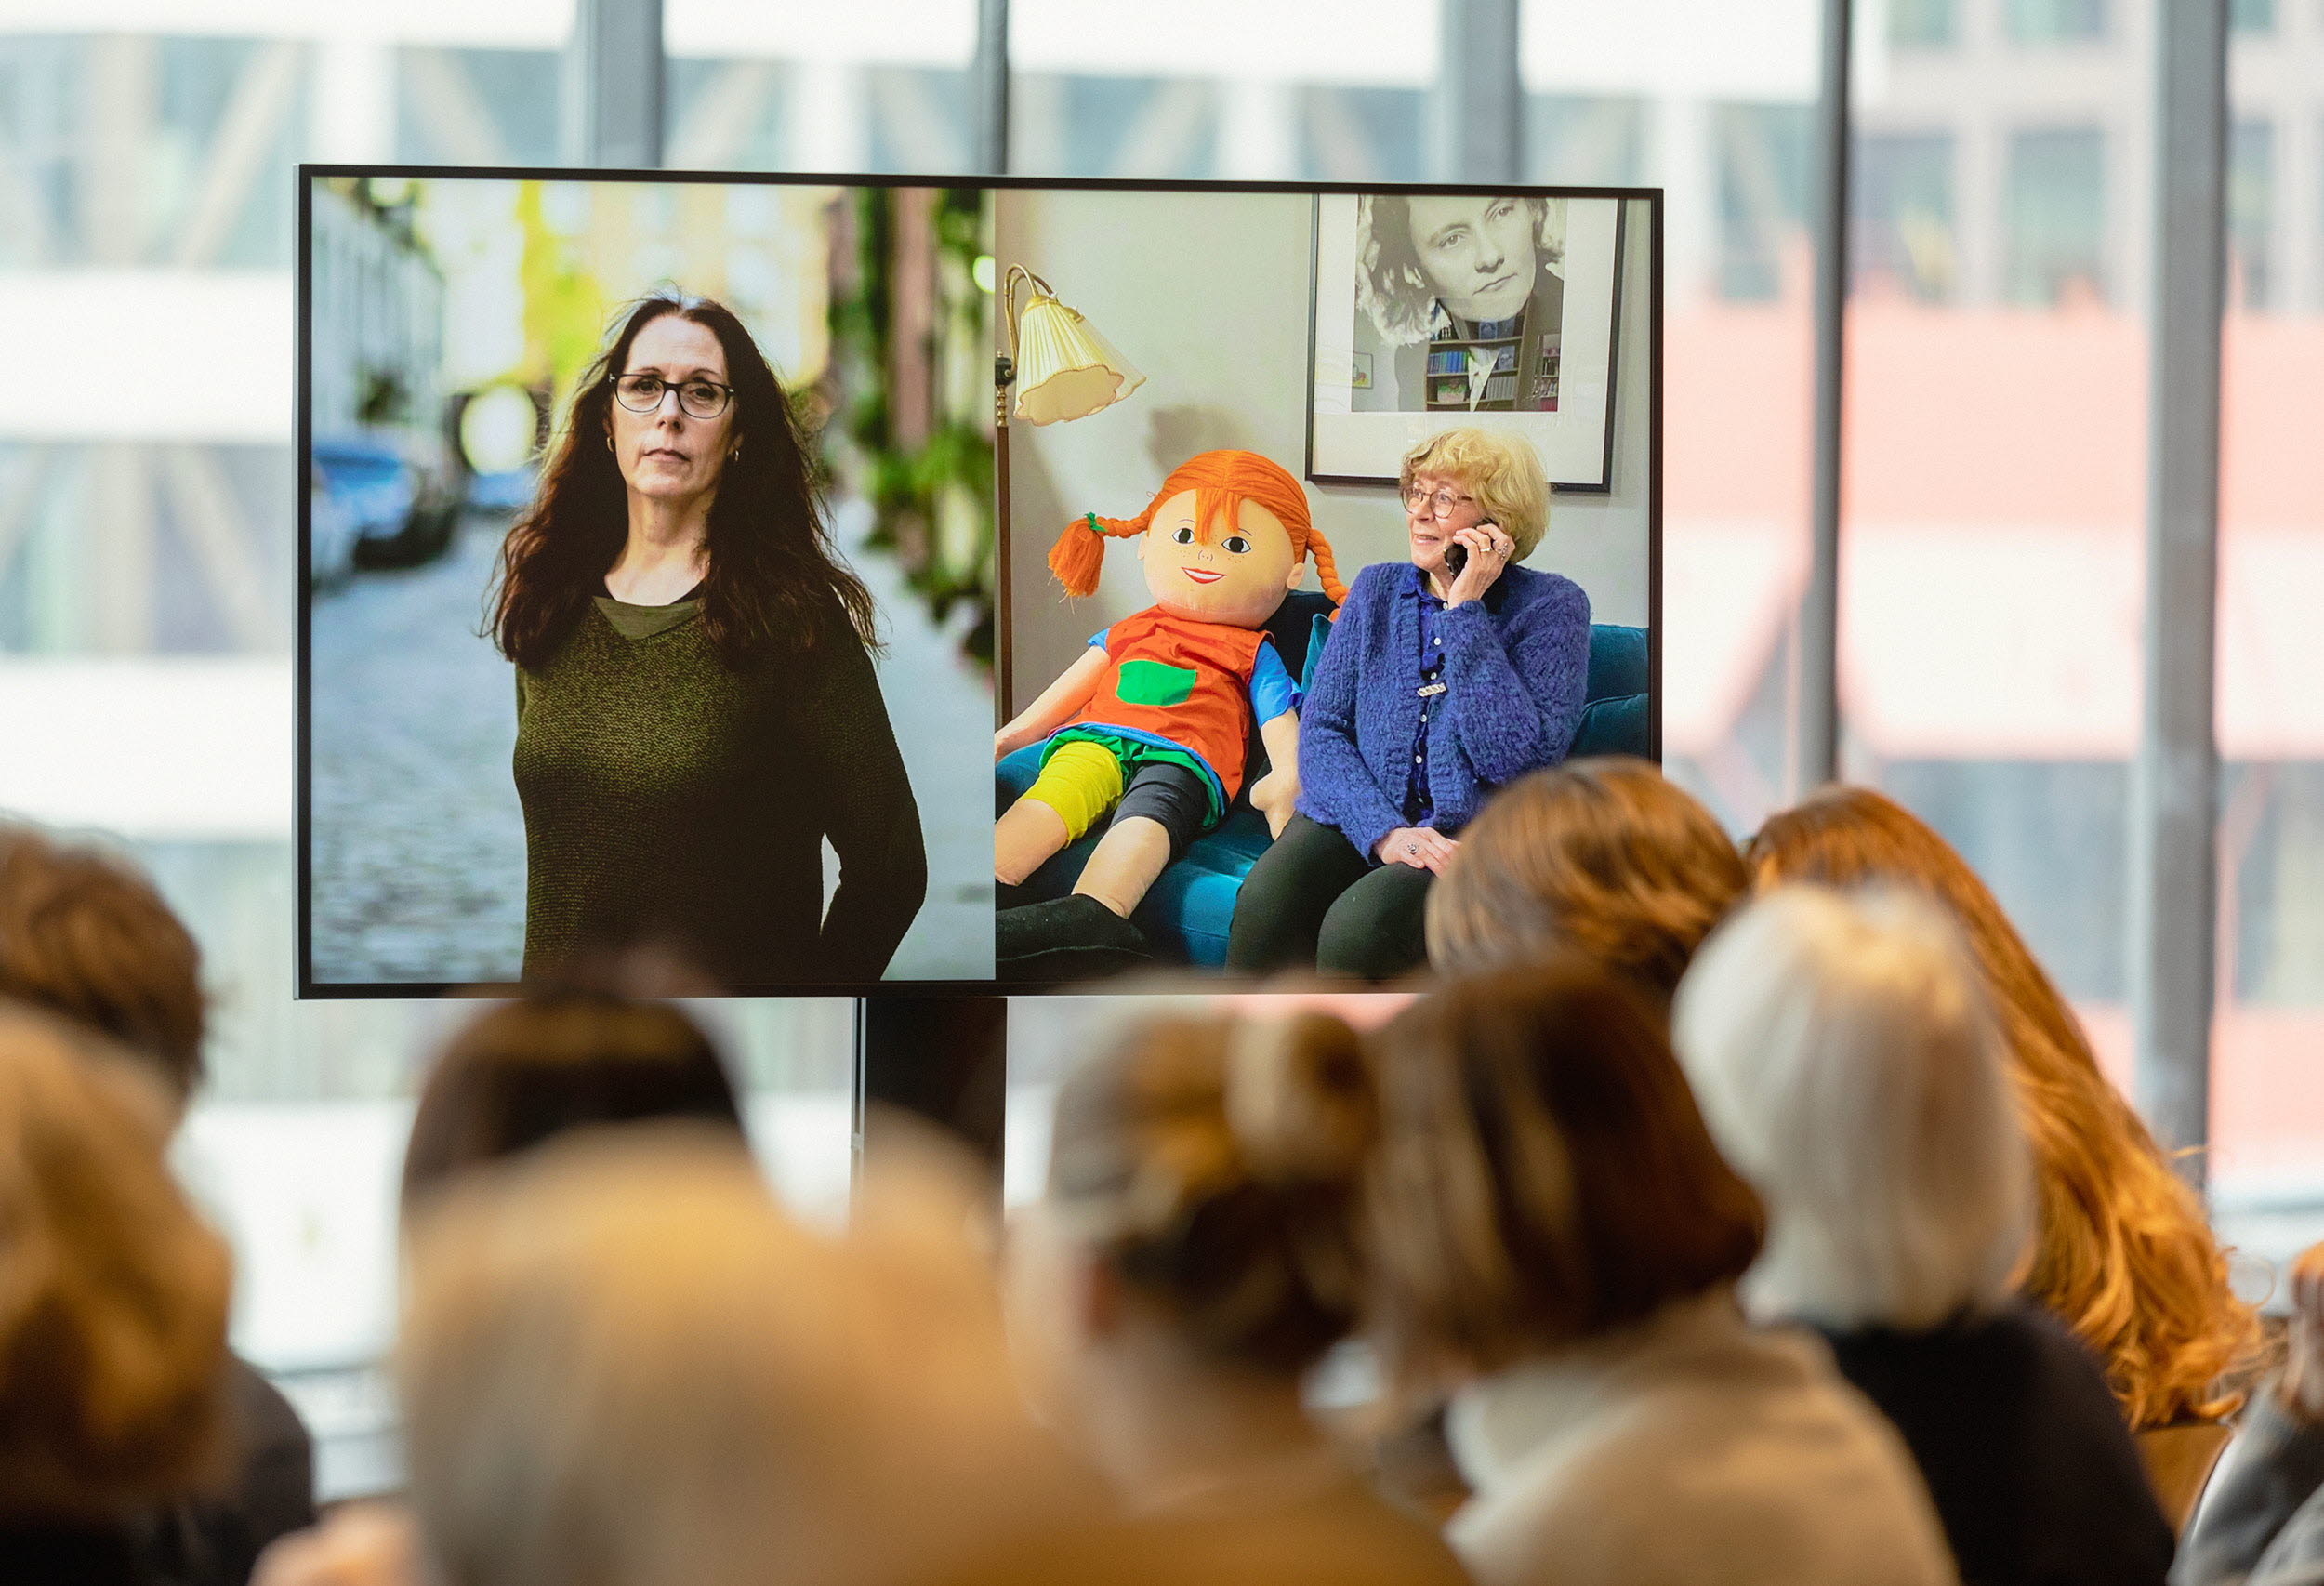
x=1207, y=293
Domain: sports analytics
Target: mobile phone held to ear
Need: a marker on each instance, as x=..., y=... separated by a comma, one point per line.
x=1456, y=558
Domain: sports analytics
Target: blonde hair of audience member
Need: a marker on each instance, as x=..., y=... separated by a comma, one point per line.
x=1501, y=471
x=2123, y=1255
x=1606, y=858
x=113, y=1293
x=1843, y=1056
x=1194, y=1256
x=622, y=1365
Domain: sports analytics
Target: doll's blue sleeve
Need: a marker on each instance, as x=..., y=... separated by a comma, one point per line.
x=1271, y=689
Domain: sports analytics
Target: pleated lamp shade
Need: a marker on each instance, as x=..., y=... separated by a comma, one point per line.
x=1065, y=368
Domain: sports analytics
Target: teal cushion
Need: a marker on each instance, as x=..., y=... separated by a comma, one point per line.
x=1188, y=909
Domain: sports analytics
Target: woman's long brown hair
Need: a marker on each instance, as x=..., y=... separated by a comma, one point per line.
x=2124, y=1257
x=773, y=590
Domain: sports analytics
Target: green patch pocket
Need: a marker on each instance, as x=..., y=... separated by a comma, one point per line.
x=1154, y=682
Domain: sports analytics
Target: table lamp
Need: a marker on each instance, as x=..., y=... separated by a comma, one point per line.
x=1063, y=369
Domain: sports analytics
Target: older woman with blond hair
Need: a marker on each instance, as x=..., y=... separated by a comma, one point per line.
x=1849, y=1067
x=2122, y=1254
x=1446, y=677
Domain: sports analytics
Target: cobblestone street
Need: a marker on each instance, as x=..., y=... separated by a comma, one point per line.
x=418, y=838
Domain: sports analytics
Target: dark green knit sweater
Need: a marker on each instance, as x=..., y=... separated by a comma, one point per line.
x=670, y=800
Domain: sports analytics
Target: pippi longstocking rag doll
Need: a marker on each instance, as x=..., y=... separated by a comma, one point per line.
x=1151, y=722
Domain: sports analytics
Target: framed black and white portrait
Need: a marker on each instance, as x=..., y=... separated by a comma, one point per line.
x=1439, y=309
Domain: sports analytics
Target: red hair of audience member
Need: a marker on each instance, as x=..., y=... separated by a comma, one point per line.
x=113, y=1293
x=1602, y=856
x=2123, y=1255
x=84, y=935
x=1222, y=482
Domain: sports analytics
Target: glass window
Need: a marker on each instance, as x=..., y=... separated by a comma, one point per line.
x=883, y=87
x=1587, y=139
x=1331, y=91
x=2055, y=21
x=1714, y=104
x=1764, y=152
x=1922, y=24
x=2057, y=215
x=1154, y=127
x=476, y=106
x=2268, y=1088
x=1902, y=215
x=2251, y=213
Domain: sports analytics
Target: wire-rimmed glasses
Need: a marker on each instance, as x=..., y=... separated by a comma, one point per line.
x=1439, y=503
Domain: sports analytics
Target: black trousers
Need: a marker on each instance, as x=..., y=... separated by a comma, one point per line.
x=1313, y=901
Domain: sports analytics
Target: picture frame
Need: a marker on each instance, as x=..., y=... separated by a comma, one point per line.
x=1510, y=324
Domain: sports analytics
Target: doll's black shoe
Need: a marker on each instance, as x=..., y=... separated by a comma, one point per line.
x=1074, y=937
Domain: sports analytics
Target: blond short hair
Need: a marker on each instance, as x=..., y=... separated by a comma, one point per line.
x=113, y=1293
x=1846, y=1060
x=623, y=1365
x=1502, y=471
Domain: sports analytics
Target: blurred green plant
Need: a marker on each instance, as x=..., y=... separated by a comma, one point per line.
x=913, y=405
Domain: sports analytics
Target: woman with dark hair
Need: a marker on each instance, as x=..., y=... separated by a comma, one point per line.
x=524, y=1073
x=696, y=709
x=1554, y=1238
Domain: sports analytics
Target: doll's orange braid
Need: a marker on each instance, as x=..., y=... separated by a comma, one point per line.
x=1222, y=482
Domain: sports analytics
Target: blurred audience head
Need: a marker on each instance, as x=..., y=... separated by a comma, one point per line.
x=1200, y=1196
x=622, y=1363
x=113, y=1293
x=555, y=1060
x=2123, y=1255
x=1542, y=1175
x=1843, y=1056
x=1603, y=857
x=84, y=935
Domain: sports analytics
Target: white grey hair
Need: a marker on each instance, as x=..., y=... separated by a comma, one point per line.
x=1848, y=1066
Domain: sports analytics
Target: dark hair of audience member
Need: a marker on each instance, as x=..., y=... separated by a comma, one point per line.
x=1606, y=858
x=2123, y=1255
x=113, y=1293
x=556, y=1060
x=1213, y=1163
x=84, y=935
x=1542, y=1175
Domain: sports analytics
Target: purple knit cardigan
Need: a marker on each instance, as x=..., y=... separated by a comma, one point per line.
x=1517, y=663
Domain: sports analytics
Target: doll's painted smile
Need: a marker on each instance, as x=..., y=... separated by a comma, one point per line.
x=1203, y=575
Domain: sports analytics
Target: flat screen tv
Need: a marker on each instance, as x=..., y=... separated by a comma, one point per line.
x=839, y=586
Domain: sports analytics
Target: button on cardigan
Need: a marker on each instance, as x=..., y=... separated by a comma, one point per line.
x=1516, y=675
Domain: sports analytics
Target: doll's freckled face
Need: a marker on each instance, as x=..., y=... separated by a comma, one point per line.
x=1237, y=578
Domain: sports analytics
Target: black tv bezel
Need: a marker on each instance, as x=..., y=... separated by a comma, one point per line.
x=310, y=989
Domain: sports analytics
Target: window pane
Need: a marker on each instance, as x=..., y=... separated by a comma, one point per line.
x=1902, y=214
x=2250, y=212
x=2268, y=1088
x=883, y=86
x=1714, y=104
x=1311, y=89
x=1995, y=470
x=2055, y=21
x=1922, y=23
x=2057, y=207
